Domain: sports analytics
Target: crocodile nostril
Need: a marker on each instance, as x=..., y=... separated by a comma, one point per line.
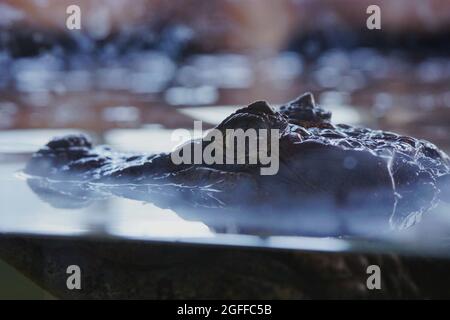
x=69, y=141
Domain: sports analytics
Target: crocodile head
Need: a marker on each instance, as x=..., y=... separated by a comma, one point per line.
x=358, y=176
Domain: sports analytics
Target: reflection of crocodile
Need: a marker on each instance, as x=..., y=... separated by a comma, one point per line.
x=355, y=173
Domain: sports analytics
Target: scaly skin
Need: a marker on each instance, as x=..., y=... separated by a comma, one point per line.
x=355, y=173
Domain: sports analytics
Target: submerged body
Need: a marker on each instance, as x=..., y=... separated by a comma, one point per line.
x=356, y=173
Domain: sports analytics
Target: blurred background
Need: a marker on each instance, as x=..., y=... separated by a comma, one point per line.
x=138, y=69
x=155, y=62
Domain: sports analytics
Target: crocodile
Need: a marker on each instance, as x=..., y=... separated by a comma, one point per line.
x=359, y=176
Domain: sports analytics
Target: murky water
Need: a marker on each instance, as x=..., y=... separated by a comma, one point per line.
x=23, y=212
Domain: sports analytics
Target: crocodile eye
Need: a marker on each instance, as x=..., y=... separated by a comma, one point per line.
x=244, y=136
x=246, y=121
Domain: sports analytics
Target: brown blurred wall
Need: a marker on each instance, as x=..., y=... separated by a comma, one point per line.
x=239, y=25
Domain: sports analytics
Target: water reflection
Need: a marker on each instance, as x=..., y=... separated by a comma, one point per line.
x=108, y=215
x=21, y=211
x=20, y=206
x=130, y=219
x=147, y=220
